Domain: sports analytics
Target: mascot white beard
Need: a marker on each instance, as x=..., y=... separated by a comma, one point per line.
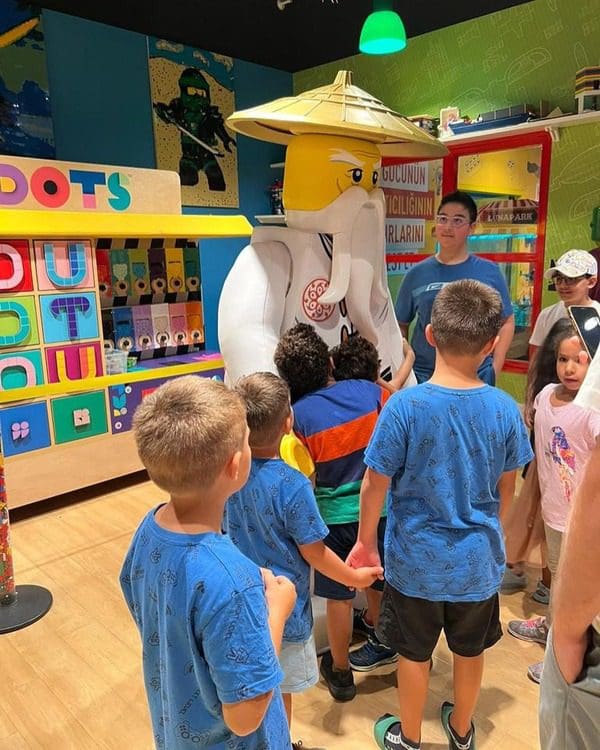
x=295, y=274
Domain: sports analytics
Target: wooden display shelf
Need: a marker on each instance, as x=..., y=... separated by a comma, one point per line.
x=71, y=466
x=551, y=124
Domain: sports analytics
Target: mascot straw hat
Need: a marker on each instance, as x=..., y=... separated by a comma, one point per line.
x=338, y=109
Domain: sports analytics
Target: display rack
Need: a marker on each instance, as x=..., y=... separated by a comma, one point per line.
x=65, y=424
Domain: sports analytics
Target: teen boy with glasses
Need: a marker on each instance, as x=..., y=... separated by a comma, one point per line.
x=455, y=221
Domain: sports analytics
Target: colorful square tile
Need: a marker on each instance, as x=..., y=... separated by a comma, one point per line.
x=21, y=369
x=69, y=317
x=18, y=322
x=64, y=264
x=74, y=362
x=24, y=428
x=15, y=266
x=79, y=417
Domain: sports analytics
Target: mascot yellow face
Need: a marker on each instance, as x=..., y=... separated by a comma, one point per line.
x=319, y=168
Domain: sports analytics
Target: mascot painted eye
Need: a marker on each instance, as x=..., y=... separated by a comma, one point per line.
x=356, y=175
x=375, y=178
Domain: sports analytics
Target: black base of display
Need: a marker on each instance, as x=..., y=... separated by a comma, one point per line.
x=30, y=605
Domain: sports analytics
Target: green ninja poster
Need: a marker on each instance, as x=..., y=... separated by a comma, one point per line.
x=192, y=96
x=25, y=116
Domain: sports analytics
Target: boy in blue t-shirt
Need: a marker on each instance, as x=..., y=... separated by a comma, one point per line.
x=456, y=217
x=447, y=452
x=275, y=521
x=210, y=620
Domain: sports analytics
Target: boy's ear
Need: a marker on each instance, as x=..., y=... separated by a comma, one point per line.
x=232, y=467
x=592, y=281
x=490, y=346
x=288, y=423
x=331, y=366
x=429, y=337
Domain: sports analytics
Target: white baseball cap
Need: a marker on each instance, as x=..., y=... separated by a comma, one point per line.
x=574, y=263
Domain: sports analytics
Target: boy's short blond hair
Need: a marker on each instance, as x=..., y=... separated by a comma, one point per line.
x=187, y=430
x=267, y=400
x=466, y=315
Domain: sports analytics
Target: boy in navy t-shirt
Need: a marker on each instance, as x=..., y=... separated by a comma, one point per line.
x=447, y=452
x=210, y=620
x=455, y=220
x=275, y=521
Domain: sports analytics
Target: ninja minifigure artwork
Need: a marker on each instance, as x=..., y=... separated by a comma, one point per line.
x=192, y=94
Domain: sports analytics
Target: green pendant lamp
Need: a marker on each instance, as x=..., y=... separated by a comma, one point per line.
x=383, y=31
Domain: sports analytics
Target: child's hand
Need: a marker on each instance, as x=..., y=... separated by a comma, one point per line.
x=362, y=556
x=363, y=578
x=280, y=593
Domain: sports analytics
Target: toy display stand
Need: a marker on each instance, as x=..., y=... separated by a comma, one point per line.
x=20, y=606
x=27, y=604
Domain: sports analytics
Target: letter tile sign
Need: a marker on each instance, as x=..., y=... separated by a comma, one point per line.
x=49, y=333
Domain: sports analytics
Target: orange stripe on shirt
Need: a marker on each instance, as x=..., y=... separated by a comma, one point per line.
x=336, y=442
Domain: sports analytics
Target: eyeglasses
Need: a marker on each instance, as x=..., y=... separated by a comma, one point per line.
x=454, y=221
x=558, y=278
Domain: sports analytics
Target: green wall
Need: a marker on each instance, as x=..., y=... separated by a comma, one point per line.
x=519, y=55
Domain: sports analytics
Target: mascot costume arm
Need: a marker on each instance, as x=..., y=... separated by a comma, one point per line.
x=251, y=308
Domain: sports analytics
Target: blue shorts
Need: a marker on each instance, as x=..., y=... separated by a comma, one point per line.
x=341, y=538
x=299, y=664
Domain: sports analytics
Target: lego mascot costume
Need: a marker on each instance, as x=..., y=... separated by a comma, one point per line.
x=326, y=267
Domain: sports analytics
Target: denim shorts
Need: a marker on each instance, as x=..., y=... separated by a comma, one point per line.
x=341, y=538
x=299, y=664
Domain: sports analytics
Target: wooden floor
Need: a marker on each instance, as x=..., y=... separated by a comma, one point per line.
x=73, y=679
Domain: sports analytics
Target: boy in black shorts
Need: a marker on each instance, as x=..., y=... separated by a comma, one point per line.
x=447, y=451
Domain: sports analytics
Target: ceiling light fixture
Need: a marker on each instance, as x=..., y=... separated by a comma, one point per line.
x=383, y=31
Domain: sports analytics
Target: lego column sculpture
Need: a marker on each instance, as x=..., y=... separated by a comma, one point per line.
x=19, y=605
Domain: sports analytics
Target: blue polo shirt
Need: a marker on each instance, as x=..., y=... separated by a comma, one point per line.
x=418, y=291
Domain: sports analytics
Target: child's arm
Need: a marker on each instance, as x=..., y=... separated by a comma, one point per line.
x=403, y=371
x=281, y=598
x=372, y=496
x=576, y=595
x=245, y=717
x=324, y=560
x=505, y=337
x=506, y=490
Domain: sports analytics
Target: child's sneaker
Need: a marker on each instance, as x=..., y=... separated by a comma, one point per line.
x=512, y=581
x=387, y=731
x=541, y=594
x=371, y=655
x=359, y=624
x=340, y=682
x=534, y=631
x=534, y=672
x=454, y=741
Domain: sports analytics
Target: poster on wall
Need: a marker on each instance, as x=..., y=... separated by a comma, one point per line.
x=192, y=96
x=25, y=117
x=412, y=192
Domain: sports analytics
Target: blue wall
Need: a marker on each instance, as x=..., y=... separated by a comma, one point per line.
x=101, y=109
